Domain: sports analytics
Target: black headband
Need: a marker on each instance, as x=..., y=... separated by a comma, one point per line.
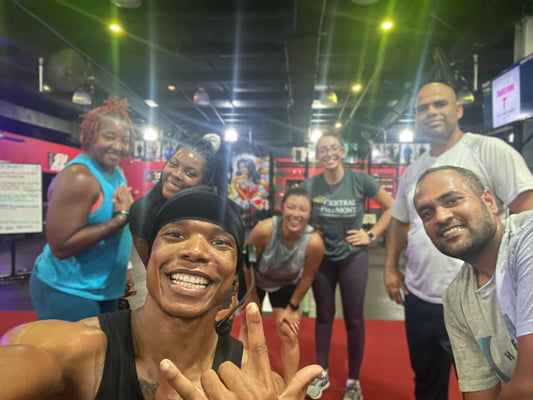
x=201, y=203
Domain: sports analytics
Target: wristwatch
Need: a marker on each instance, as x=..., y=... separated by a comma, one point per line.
x=371, y=236
x=294, y=307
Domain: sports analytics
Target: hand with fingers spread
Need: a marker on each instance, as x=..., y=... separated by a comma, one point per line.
x=256, y=379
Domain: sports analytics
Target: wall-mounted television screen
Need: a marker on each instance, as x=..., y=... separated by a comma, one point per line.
x=508, y=97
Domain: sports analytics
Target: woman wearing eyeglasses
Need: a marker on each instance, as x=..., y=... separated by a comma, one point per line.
x=339, y=196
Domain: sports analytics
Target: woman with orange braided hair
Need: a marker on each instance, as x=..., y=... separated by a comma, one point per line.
x=82, y=269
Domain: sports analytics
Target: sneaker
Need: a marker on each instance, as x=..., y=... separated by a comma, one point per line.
x=353, y=392
x=317, y=386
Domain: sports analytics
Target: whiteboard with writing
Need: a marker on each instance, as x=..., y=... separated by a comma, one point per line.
x=21, y=206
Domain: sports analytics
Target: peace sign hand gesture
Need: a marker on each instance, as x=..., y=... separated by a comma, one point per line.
x=255, y=381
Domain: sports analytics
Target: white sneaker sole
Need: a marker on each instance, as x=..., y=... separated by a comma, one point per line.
x=320, y=394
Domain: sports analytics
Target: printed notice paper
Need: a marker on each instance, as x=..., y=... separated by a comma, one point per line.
x=20, y=198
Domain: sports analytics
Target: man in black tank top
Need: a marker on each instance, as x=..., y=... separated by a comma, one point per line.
x=169, y=348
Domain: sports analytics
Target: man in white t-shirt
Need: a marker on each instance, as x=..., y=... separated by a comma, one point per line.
x=428, y=272
x=488, y=307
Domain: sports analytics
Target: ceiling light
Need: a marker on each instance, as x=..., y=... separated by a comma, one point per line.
x=201, y=97
x=47, y=88
x=338, y=124
x=115, y=27
x=356, y=87
x=387, y=25
x=151, y=103
x=231, y=135
x=406, y=136
x=127, y=3
x=150, y=133
x=315, y=135
x=171, y=88
x=329, y=97
x=82, y=97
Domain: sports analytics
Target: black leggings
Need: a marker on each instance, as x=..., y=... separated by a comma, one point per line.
x=352, y=277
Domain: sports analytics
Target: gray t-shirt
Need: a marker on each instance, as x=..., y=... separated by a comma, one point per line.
x=484, y=322
x=339, y=208
x=279, y=265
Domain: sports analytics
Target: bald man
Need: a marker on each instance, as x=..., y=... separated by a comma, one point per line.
x=429, y=272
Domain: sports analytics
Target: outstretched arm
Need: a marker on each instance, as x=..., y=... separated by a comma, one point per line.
x=52, y=359
x=255, y=381
x=27, y=372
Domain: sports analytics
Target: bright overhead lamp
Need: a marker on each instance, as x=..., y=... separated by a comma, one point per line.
x=338, y=124
x=356, y=87
x=201, y=97
x=387, y=25
x=329, y=97
x=82, y=97
x=115, y=27
x=171, y=88
x=151, y=103
x=231, y=135
x=315, y=135
x=406, y=136
x=150, y=133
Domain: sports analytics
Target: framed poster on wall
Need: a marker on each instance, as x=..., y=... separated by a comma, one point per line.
x=249, y=184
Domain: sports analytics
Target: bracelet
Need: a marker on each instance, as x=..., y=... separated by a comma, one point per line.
x=294, y=307
x=122, y=212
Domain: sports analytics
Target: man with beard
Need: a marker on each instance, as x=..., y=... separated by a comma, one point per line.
x=428, y=272
x=488, y=307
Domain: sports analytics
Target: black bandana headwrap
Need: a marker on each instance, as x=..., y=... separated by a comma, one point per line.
x=201, y=203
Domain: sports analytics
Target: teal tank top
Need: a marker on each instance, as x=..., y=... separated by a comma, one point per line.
x=100, y=272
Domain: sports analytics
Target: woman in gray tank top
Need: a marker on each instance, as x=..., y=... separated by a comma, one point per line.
x=289, y=253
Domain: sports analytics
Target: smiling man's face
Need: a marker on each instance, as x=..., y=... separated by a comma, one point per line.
x=191, y=268
x=457, y=220
x=437, y=112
